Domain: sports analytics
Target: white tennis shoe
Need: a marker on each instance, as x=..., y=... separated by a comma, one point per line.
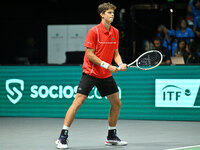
x=113, y=139
x=115, y=142
x=61, y=145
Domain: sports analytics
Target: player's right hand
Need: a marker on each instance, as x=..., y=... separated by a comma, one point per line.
x=113, y=69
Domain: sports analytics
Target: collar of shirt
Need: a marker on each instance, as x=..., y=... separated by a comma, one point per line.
x=104, y=29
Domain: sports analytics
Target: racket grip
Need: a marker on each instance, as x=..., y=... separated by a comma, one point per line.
x=126, y=66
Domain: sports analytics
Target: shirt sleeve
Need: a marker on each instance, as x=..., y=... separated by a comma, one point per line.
x=91, y=39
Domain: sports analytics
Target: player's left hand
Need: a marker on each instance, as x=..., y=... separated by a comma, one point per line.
x=123, y=67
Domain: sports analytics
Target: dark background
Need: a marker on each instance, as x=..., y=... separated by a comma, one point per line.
x=26, y=21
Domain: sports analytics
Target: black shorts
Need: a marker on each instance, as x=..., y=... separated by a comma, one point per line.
x=105, y=86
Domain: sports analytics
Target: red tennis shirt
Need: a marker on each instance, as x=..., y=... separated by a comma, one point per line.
x=104, y=42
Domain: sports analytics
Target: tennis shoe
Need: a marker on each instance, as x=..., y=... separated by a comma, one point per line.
x=113, y=139
x=62, y=142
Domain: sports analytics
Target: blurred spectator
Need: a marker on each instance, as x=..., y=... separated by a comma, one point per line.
x=165, y=52
x=148, y=45
x=193, y=11
x=181, y=49
x=184, y=31
x=162, y=32
x=192, y=56
x=170, y=43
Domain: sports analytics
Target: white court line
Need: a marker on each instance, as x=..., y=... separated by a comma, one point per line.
x=184, y=147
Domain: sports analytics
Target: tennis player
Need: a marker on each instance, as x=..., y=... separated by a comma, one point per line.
x=101, y=48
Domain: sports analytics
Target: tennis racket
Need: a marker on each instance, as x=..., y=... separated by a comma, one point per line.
x=148, y=60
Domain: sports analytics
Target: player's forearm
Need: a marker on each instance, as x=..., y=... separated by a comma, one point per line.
x=93, y=58
x=117, y=58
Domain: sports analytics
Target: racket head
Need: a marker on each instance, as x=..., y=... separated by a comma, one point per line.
x=148, y=60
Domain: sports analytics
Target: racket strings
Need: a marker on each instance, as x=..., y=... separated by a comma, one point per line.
x=149, y=60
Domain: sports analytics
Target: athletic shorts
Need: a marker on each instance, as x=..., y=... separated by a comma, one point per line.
x=105, y=86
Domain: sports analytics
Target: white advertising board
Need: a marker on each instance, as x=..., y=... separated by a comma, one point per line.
x=65, y=38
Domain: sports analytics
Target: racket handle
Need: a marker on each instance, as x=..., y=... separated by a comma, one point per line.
x=126, y=66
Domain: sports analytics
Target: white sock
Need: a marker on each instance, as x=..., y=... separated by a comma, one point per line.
x=65, y=127
x=111, y=128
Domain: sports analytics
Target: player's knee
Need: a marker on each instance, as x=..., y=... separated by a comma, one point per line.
x=117, y=104
x=78, y=102
x=76, y=105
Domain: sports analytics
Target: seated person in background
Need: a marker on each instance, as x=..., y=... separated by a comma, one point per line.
x=165, y=52
x=192, y=56
x=181, y=49
x=170, y=43
x=184, y=31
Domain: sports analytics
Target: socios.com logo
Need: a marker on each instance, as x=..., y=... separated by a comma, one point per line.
x=176, y=92
x=60, y=91
x=14, y=92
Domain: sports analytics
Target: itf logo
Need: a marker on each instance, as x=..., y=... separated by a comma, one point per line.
x=14, y=94
x=176, y=92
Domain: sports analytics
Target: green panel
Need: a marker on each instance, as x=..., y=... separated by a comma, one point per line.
x=48, y=91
